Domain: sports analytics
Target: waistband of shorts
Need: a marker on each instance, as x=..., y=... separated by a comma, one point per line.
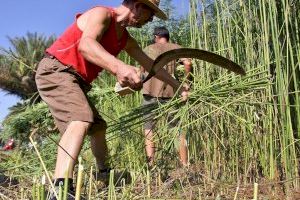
x=47, y=55
x=162, y=98
x=69, y=68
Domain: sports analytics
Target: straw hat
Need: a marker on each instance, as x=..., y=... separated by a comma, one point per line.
x=153, y=4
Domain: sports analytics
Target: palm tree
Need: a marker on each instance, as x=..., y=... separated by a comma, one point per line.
x=17, y=63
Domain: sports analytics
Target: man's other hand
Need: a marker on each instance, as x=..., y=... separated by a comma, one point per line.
x=184, y=92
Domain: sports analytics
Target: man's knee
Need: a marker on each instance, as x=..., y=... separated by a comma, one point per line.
x=81, y=125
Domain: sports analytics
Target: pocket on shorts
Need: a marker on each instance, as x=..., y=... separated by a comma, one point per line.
x=49, y=65
x=49, y=74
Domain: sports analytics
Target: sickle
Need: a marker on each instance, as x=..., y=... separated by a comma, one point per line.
x=207, y=56
x=171, y=55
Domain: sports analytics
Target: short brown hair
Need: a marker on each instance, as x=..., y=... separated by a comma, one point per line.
x=162, y=31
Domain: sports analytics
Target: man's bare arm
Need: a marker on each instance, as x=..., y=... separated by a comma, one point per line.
x=93, y=24
x=188, y=68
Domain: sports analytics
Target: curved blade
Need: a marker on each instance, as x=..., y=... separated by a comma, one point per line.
x=210, y=57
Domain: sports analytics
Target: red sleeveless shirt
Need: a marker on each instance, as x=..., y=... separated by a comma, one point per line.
x=65, y=48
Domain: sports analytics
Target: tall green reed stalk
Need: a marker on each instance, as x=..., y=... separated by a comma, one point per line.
x=262, y=34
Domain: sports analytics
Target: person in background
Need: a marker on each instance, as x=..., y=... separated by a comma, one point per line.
x=74, y=60
x=156, y=90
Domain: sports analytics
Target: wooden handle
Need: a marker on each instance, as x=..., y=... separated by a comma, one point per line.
x=123, y=90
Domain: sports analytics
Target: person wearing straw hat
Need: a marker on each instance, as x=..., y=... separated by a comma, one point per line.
x=156, y=90
x=74, y=60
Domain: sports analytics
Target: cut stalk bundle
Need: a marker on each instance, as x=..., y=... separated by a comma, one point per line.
x=227, y=90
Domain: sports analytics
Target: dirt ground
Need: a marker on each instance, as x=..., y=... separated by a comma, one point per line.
x=188, y=183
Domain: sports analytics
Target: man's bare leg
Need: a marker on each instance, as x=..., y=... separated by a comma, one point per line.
x=150, y=146
x=71, y=141
x=183, y=150
x=98, y=145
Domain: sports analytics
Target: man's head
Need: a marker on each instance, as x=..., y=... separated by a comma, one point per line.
x=142, y=11
x=161, y=33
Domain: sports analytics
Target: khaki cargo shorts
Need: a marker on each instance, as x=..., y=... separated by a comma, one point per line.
x=150, y=122
x=65, y=93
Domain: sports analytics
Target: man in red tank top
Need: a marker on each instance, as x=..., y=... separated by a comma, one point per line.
x=74, y=61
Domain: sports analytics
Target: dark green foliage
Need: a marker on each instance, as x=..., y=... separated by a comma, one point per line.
x=20, y=125
x=17, y=64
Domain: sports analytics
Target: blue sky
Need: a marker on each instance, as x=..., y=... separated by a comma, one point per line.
x=45, y=17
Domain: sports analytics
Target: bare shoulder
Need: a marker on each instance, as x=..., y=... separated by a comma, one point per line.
x=99, y=15
x=175, y=46
x=99, y=11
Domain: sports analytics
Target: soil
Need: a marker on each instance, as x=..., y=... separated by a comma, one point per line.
x=191, y=183
x=183, y=183
x=8, y=187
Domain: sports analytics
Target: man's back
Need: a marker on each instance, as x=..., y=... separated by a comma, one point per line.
x=155, y=87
